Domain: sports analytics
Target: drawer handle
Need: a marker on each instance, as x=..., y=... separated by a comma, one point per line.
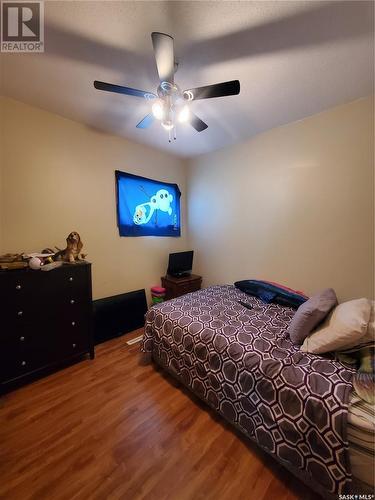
x=73, y=323
x=18, y=287
x=19, y=313
x=22, y=339
x=72, y=301
x=23, y=363
x=74, y=346
x=71, y=278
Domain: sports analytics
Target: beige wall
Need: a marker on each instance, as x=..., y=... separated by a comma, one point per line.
x=58, y=176
x=1, y=167
x=293, y=205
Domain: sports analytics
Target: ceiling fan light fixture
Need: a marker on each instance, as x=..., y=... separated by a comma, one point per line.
x=158, y=110
x=167, y=124
x=169, y=102
x=184, y=114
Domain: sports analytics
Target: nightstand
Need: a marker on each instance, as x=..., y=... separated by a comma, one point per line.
x=175, y=287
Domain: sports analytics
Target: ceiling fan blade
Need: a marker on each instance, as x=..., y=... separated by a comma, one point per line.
x=119, y=89
x=215, y=90
x=146, y=121
x=197, y=123
x=164, y=55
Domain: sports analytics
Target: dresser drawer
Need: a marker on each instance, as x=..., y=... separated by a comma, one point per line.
x=23, y=354
x=19, y=287
x=37, y=343
x=18, y=316
x=73, y=332
x=175, y=287
x=10, y=335
x=72, y=345
x=75, y=321
x=72, y=305
x=12, y=368
x=73, y=279
x=188, y=288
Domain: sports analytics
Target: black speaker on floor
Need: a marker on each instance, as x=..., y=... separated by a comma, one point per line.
x=119, y=314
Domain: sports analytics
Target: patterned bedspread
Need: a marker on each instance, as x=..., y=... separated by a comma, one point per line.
x=242, y=363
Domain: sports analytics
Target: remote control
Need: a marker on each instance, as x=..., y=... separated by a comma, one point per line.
x=244, y=304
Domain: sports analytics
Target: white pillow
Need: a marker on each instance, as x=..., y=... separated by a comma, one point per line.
x=370, y=334
x=344, y=328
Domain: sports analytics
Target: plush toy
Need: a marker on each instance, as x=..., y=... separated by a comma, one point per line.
x=73, y=248
x=35, y=263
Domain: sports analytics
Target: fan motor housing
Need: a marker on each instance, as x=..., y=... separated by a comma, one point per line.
x=169, y=89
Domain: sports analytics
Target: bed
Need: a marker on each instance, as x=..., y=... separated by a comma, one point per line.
x=241, y=362
x=361, y=438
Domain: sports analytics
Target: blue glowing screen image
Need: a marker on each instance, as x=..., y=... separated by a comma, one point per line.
x=146, y=207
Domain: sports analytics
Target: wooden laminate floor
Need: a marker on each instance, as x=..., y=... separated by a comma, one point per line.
x=113, y=428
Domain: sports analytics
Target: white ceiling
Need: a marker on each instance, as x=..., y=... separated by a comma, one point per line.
x=293, y=59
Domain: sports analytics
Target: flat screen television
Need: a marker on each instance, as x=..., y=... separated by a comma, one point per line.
x=180, y=264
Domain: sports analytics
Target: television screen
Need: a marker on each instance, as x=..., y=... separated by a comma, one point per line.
x=180, y=263
x=146, y=207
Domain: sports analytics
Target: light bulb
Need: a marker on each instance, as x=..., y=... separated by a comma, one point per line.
x=184, y=114
x=158, y=110
x=167, y=124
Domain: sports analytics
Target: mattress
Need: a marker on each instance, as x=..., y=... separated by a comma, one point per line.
x=361, y=437
x=242, y=363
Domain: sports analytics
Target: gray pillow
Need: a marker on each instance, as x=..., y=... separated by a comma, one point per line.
x=310, y=314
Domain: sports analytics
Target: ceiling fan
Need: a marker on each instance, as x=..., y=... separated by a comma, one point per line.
x=170, y=103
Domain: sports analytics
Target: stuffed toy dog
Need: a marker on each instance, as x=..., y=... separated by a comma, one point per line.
x=73, y=248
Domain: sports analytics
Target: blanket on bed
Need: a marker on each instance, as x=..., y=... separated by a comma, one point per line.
x=242, y=363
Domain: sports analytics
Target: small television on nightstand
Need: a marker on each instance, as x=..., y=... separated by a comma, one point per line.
x=180, y=264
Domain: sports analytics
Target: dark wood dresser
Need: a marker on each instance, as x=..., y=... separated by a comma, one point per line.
x=45, y=320
x=175, y=287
